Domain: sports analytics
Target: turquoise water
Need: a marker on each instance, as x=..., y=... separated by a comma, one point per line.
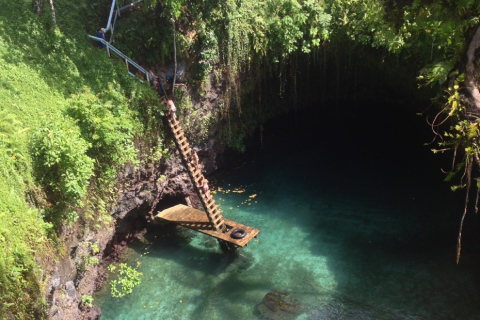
x=351, y=227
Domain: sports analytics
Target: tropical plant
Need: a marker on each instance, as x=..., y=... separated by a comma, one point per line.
x=87, y=300
x=128, y=279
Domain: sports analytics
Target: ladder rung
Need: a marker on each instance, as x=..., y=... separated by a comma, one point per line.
x=212, y=209
x=218, y=222
x=210, y=205
x=178, y=133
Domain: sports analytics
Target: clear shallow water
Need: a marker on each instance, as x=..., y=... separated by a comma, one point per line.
x=350, y=228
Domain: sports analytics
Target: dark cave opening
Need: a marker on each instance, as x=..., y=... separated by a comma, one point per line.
x=371, y=114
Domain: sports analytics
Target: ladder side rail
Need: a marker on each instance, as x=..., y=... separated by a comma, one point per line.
x=119, y=53
x=110, y=26
x=198, y=188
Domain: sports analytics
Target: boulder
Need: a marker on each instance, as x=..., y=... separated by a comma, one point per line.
x=279, y=305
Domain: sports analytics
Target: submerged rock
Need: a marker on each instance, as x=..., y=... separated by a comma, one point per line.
x=279, y=305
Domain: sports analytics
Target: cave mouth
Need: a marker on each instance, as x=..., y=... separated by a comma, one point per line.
x=349, y=214
x=168, y=202
x=355, y=219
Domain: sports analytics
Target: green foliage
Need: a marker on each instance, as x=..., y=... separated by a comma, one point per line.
x=91, y=261
x=128, y=279
x=236, y=143
x=94, y=248
x=13, y=140
x=87, y=300
x=435, y=74
x=208, y=55
x=22, y=233
x=111, y=268
x=106, y=122
x=463, y=136
x=50, y=163
x=196, y=122
x=87, y=252
x=61, y=161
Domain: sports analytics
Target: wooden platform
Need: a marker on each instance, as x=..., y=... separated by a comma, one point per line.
x=197, y=220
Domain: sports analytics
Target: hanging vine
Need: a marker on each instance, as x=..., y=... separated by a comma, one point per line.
x=462, y=139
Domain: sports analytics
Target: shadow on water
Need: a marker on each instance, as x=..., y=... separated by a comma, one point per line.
x=356, y=223
x=202, y=265
x=377, y=209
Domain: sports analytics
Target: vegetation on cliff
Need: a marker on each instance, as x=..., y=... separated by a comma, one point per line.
x=70, y=117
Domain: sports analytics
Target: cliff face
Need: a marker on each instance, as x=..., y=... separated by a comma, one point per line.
x=72, y=277
x=81, y=270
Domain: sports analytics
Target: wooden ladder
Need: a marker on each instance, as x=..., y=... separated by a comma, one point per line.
x=212, y=210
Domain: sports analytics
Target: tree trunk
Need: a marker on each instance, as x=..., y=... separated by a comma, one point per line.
x=471, y=95
x=174, y=59
x=471, y=75
x=38, y=9
x=52, y=11
x=37, y=6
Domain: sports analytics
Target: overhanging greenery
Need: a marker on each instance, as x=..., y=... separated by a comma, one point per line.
x=69, y=115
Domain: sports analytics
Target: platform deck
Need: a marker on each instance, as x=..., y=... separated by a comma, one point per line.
x=197, y=220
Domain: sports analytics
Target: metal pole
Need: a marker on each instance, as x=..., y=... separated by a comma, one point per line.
x=110, y=16
x=113, y=27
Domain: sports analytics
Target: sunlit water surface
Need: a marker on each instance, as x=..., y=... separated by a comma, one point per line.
x=350, y=227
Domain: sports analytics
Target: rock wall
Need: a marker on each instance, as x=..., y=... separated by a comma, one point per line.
x=143, y=192
x=71, y=276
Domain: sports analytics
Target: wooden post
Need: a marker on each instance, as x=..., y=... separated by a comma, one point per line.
x=118, y=9
x=188, y=201
x=174, y=59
